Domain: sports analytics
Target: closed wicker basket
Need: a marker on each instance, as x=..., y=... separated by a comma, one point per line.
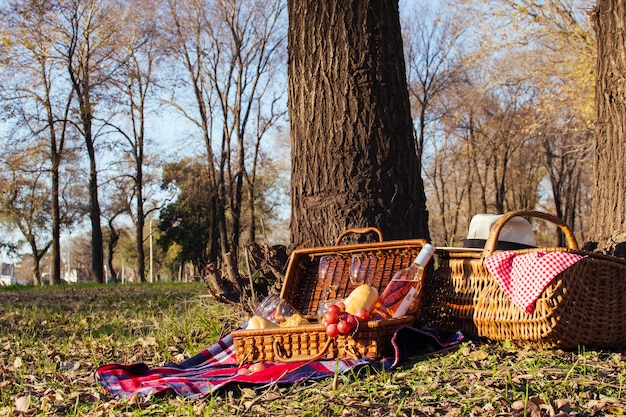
x=303, y=289
x=583, y=305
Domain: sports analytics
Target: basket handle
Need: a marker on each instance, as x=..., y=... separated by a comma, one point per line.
x=360, y=231
x=492, y=239
x=281, y=356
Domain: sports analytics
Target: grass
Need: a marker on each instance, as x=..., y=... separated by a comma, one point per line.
x=52, y=339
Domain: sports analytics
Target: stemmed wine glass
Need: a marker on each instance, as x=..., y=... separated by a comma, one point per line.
x=326, y=279
x=361, y=269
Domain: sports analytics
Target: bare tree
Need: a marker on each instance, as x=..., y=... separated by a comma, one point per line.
x=40, y=100
x=25, y=203
x=141, y=45
x=435, y=60
x=229, y=50
x=87, y=45
x=521, y=117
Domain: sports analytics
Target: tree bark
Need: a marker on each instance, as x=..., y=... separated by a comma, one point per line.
x=354, y=161
x=608, y=208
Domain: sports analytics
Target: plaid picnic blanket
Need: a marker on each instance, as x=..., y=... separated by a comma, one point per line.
x=216, y=367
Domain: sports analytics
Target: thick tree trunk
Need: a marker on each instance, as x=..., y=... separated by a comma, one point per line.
x=354, y=161
x=608, y=208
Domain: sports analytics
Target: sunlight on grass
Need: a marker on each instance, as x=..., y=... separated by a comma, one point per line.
x=52, y=339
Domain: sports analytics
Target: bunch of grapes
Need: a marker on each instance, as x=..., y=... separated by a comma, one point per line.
x=339, y=322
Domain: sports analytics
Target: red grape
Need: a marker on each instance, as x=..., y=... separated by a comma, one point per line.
x=351, y=320
x=342, y=327
x=362, y=314
x=332, y=330
x=334, y=308
x=331, y=317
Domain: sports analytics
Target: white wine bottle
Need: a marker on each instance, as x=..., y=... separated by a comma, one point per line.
x=399, y=296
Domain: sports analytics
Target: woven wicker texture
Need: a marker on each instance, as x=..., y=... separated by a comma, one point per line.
x=304, y=290
x=583, y=305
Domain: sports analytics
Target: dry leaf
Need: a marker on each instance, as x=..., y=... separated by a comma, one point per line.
x=22, y=404
x=479, y=355
x=17, y=363
x=518, y=405
x=248, y=393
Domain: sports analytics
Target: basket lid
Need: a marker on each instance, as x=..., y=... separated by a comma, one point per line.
x=517, y=233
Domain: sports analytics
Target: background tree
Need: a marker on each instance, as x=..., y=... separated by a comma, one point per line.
x=229, y=50
x=40, y=101
x=435, y=62
x=25, y=203
x=186, y=222
x=354, y=161
x=135, y=81
x=608, y=208
x=87, y=44
x=525, y=92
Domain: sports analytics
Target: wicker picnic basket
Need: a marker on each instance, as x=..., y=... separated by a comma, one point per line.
x=583, y=305
x=304, y=291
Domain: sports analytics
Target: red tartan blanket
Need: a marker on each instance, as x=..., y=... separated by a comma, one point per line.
x=216, y=367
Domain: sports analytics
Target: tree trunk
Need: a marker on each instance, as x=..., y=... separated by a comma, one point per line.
x=55, y=276
x=608, y=209
x=97, y=253
x=354, y=162
x=141, y=221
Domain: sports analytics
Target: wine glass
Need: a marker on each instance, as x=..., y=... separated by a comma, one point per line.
x=325, y=278
x=361, y=269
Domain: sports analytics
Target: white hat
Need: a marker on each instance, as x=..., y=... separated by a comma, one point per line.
x=517, y=232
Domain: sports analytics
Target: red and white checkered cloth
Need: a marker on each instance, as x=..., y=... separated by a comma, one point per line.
x=523, y=277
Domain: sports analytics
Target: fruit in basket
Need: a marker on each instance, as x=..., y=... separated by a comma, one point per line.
x=335, y=308
x=258, y=322
x=363, y=296
x=341, y=323
x=362, y=314
x=332, y=330
x=343, y=327
x=331, y=317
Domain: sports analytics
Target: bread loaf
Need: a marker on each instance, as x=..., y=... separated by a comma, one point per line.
x=363, y=296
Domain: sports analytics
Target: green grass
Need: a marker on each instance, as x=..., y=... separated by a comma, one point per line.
x=52, y=339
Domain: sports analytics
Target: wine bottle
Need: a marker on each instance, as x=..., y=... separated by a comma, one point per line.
x=399, y=296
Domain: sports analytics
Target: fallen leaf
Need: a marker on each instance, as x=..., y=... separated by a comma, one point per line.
x=248, y=393
x=22, y=404
x=518, y=405
x=67, y=366
x=17, y=363
x=479, y=355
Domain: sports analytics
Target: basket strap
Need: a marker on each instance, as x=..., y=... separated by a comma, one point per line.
x=360, y=231
x=280, y=354
x=492, y=239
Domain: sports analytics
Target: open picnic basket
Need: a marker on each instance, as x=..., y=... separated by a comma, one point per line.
x=304, y=291
x=583, y=305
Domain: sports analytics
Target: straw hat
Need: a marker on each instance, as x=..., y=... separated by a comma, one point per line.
x=517, y=233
